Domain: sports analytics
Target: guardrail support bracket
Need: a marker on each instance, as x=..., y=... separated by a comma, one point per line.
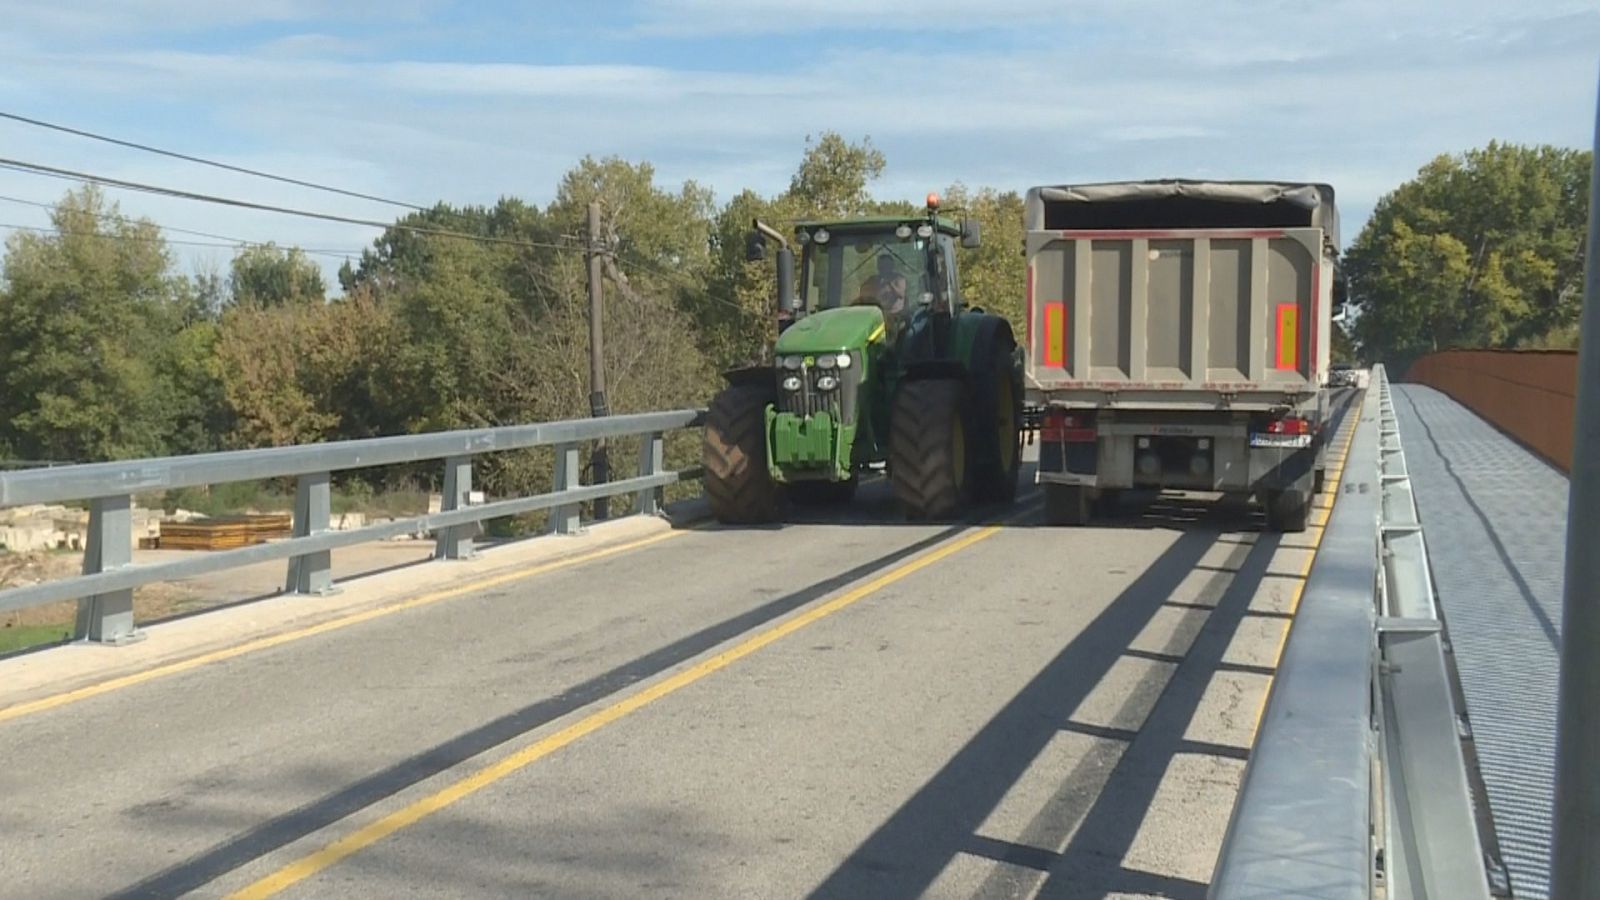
x=652, y=458
x=312, y=573
x=108, y=618
x=455, y=541
x=569, y=468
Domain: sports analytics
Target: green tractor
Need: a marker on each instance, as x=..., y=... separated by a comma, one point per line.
x=879, y=363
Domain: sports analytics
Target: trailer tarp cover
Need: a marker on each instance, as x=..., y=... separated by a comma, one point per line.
x=1178, y=203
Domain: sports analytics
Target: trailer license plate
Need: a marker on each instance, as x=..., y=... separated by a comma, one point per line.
x=1281, y=441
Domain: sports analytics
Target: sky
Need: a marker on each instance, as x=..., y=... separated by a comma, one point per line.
x=427, y=100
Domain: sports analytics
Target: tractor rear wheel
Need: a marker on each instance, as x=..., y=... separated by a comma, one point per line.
x=928, y=456
x=1001, y=424
x=734, y=453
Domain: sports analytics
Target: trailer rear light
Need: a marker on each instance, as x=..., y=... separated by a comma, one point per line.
x=1289, y=426
x=1061, y=426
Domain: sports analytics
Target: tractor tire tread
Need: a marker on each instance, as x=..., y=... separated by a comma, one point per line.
x=921, y=455
x=734, y=454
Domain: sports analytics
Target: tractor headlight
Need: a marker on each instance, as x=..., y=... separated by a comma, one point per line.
x=792, y=362
x=791, y=383
x=844, y=360
x=827, y=383
x=827, y=362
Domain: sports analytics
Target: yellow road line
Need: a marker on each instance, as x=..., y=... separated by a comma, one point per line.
x=162, y=671
x=1331, y=489
x=414, y=812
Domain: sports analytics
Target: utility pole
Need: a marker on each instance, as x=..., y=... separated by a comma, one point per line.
x=597, y=369
x=1575, y=866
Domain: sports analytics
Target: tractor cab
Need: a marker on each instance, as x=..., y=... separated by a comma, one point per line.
x=903, y=266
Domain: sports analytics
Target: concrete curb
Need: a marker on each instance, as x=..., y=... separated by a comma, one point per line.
x=62, y=668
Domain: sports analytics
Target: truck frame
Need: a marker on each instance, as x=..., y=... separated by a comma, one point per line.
x=1178, y=337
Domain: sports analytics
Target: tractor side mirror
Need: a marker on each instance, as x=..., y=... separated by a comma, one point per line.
x=787, y=301
x=971, y=234
x=755, y=246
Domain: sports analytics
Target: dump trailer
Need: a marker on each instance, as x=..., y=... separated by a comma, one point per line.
x=1178, y=337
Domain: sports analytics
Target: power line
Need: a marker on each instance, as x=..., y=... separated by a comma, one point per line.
x=336, y=254
x=70, y=175
x=683, y=280
x=233, y=241
x=208, y=162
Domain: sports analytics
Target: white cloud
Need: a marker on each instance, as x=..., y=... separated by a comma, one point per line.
x=82, y=19
x=1359, y=94
x=713, y=17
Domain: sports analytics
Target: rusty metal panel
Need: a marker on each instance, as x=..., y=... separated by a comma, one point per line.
x=1529, y=394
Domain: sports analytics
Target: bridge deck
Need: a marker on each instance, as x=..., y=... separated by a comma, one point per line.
x=1495, y=517
x=841, y=709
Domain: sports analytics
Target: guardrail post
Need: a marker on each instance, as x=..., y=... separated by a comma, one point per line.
x=652, y=458
x=108, y=618
x=455, y=541
x=565, y=519
x=311, y=573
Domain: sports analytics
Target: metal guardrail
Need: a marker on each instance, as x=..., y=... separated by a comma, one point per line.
x=1356, y=787
x=105, y=589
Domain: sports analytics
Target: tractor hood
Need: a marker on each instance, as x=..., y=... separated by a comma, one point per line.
x=841, y=328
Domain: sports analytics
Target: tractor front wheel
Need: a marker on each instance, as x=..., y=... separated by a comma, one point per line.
x=734, y=453
x=928, y=453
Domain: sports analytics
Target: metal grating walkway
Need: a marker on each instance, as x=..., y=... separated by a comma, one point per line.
x=1495, y=517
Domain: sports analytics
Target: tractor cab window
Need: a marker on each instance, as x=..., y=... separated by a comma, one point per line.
x=861, y=269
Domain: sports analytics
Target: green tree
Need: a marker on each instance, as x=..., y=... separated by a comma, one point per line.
x=1479, y=250
x=301, y=373
x=268, y=275
x=97, y=339
x=993, y=276
x=833, y=176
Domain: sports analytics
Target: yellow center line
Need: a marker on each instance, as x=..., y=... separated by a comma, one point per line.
x=104, y=687
x=1330, y=486
x=414, y=812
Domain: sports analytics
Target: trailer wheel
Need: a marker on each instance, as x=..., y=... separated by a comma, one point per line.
x=734, y=452
x=1286, y=510
x=1066, y=504
x=929, y=462
x=1319, y=481
x=1108, y=503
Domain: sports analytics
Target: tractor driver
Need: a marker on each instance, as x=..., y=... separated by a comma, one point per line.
x=891, y=287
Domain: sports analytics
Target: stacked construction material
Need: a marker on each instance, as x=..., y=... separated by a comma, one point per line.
x=225, y=532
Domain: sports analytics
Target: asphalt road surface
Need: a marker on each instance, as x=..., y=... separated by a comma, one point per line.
x=844, y=706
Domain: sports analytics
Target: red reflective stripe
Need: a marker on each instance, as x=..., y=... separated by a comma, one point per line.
x=1055, y=334
x=1288, y=336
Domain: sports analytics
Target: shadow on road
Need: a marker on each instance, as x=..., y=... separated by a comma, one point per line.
x=904, y=856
